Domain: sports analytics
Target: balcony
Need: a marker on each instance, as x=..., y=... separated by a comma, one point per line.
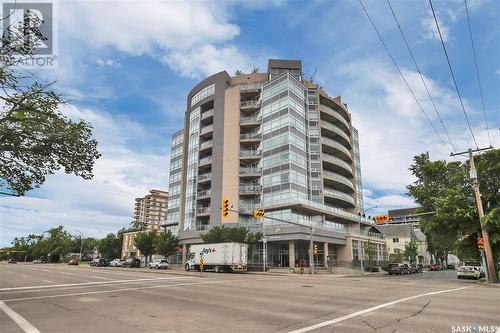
x=338, y=198
x=250, y=137
x=245, y=87
x=334, y=117
x=204, y=194
x=207, y=115
x=250, y=189
x=205, y=161
x=333, y=131
x=337, y=181
x=337, y=165
x=250, y=172
x=334, y=148
x=250, y=121
x=205, y=146
x=250, y=105
x=203, y=211
x=250, y=154
x=204, y=177
x=207, y=131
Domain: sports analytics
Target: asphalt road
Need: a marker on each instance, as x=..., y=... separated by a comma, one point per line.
x=59, y=298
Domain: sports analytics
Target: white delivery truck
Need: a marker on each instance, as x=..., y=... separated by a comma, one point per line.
x=219, y=257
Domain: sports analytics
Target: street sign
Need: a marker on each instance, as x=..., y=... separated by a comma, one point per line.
x=381, y=218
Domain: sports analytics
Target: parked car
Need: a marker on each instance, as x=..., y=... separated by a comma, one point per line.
x=116, y=263
x=40, y=261
x=436, y=267
x=73, y=262
x=410, y=269
x=471, y=272
x=132, y=262
x=450, y=266
x=12, y=261
x=158, y=263
x=397, y=269
x=417, y=268
x=99, y=262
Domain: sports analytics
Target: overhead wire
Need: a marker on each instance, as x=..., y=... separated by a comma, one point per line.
x=452, y=74
x=421, y=75
x=477, y=71
x=400, y=73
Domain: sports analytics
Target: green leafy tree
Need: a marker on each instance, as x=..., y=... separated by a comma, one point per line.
x=252, y=239
x=36, y=138
x=110, y=246
x=411, y=251
x=144, y=241
x=166, y=243
x=369, y=255
x=398, y=256
x=445, y=188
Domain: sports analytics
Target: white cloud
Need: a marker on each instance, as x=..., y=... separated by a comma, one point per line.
x=108, y=63
x=497, y=72
x=191, y=37
x=98, y=206
x=430, y=30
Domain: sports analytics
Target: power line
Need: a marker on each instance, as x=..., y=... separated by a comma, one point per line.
x=420, y=74
x=477, y=70
x=452, y=74
x=399, y=71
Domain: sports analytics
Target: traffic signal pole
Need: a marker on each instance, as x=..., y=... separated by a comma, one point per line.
x=490, y=265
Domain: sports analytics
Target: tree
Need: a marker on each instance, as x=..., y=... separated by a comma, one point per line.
x=369, y=255
x=445, y=188
x=398, y=256
x=36, y=138
x=238, y=72
x=166, y=243
x=252, y=239
x=411, y=251
x=221, y=234
x=255, y=69
x=110, y=246
x=144, y=241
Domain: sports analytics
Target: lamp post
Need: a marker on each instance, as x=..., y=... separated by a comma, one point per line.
x=360, y=250
x=81, y=244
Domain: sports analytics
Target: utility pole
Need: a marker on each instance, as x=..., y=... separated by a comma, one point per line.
x=490, y=265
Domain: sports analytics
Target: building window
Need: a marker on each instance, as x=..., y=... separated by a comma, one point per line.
x=395, y=240
x=355, y=253
x=205, y=92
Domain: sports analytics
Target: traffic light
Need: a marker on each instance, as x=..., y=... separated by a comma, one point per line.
x=315, y=249
x=225, y=207
x=257, y=213
x=480, y=243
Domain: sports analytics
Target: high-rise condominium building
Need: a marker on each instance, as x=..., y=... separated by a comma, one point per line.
x=150, y=211
x=277, y=142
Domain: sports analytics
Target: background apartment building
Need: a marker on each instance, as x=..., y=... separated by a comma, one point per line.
x=276, y=142
x=150, y=213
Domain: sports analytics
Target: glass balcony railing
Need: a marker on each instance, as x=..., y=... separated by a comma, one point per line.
x=251, y=135
x=335, y=160
x=204, y=193
x=205, y=145
x=251, y=119
x=203, y=209
x=206, y=129
x=250, y=188
x=337, y=194
x=250, y=153
x=250, y=86
x=204, y=176
x=250, y=104
x=205, y=160
x=207, y=114
x=338, y=178
x=249, y=171
x=334, y=128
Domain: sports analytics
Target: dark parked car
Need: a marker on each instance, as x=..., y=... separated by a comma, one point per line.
x=12, y=261
x=397, y=269
x=416, y=268
x=410, y=268
x=450, y=266
x=99, y=262
x=436, y=267
x=132, y=262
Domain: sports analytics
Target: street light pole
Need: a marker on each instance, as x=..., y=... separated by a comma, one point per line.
x=81, y=244
x=360, y=249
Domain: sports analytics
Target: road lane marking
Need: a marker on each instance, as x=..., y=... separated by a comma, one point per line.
x=126, y=289
x=47, y=286
x=48, y=281
x=18, y=319
x=373, y=308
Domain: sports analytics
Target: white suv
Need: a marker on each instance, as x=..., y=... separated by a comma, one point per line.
x=468, y=272
x=158, y=263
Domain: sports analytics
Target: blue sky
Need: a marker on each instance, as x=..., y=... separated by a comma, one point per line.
x=127, y=67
